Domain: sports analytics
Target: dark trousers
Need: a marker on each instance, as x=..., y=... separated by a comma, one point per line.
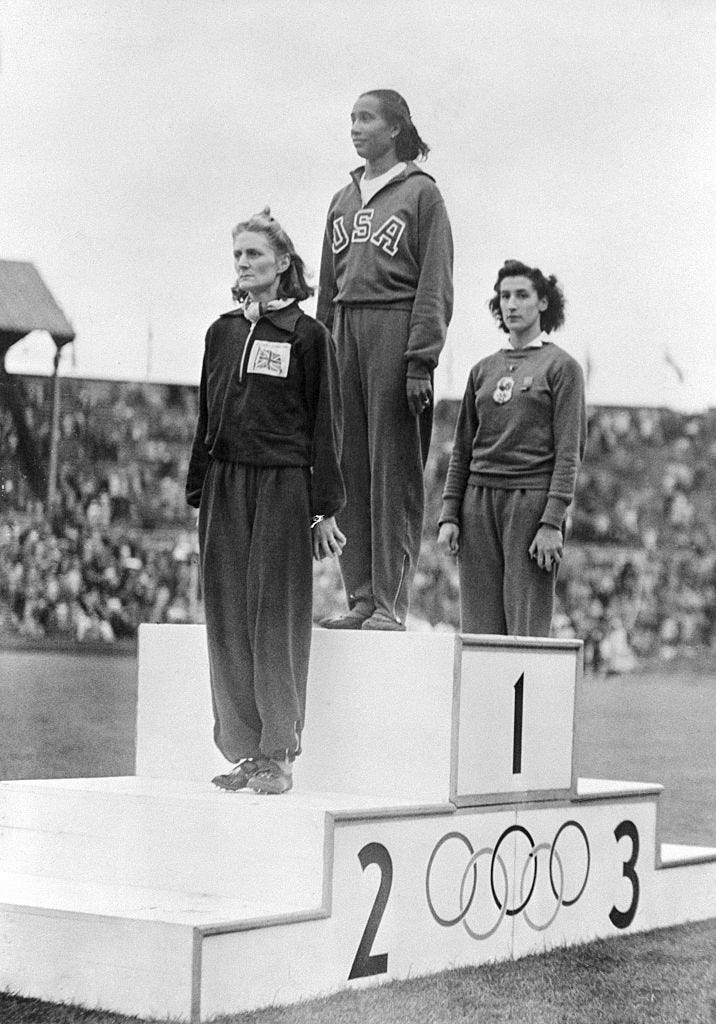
x=256, y=568
x=502, y=590
x=383, y=449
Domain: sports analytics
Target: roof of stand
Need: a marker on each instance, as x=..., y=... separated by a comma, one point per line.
x=26, y=304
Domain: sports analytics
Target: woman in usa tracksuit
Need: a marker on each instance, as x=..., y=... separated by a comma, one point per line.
x=386, y=293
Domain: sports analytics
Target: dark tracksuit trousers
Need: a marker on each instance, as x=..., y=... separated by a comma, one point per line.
x=503, y=590
x=383, y=455
x=256, y=567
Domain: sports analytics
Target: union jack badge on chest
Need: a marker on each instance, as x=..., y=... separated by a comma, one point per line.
x=271, y=358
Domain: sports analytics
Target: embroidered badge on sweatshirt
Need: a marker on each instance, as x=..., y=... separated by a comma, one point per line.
x=272, y=358
x=503, y=391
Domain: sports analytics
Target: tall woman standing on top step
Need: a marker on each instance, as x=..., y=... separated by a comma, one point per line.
x=386, y=292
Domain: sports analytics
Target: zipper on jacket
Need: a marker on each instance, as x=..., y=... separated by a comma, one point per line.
x=244, y=354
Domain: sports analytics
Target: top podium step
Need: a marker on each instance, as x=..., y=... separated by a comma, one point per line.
x=434, y=718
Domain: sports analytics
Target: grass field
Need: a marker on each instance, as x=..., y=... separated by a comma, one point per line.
x=663, y=977
x=70, y=715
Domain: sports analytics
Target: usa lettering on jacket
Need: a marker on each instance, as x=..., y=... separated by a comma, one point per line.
x=386, y=237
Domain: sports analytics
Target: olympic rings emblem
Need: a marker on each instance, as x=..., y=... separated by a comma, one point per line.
x=524, y=891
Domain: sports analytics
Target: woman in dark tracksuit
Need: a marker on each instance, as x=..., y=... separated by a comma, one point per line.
x=386, y=292
x=265, y=475
x=519, y=440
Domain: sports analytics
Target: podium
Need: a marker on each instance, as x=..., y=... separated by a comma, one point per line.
x=436, y=821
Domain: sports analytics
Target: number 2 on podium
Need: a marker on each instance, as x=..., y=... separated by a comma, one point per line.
x=366, y=963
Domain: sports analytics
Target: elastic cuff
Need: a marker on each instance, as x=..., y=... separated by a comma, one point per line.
x=554, y=512
x=448, y=519
x=418, y=370
x=283, y=755
x=450, y=511
x=325, y=511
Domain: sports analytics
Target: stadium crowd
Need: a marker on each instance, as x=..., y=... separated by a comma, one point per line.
x=118, y=546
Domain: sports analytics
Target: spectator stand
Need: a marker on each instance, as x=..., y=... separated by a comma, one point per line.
x=119, y=546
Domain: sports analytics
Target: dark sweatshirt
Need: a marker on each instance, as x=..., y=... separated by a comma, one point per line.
x=534, y=441
x=272, y=402
x=397, y=250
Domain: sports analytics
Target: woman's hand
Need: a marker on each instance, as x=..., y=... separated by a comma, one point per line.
x=547, y=547
x=449, y=537
x=419, y=392
x=327, y=539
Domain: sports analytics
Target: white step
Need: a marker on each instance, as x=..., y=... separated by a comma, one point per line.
x=676, y=855
x=374, y=706
x=160, y=834
x=143, y=966
x=610, y=789
x=182, y=835
x=134, y=903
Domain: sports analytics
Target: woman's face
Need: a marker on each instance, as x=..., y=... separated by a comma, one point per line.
x=258, y=268
x=521, y=306
x=371, y=134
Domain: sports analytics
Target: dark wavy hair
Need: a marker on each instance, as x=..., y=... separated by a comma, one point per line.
x=552, y=318
x=394, y=110
x=292, y=284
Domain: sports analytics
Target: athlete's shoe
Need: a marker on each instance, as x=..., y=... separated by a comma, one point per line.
x=351, y=620
x=270, y=778
x=239, y=775
x=382, y=622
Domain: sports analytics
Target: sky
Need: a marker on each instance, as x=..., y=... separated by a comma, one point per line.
x=576, y=135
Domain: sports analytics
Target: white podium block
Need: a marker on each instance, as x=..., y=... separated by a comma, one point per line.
x=435, y=821
x=431, y=717
x=362, y=892
x=418, y=894
x=379, y=712
x=515, y=719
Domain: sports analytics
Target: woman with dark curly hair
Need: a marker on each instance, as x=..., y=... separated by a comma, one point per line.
x=386, y=293
x=518, y=443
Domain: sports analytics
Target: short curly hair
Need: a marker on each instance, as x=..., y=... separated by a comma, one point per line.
x=552, y=318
